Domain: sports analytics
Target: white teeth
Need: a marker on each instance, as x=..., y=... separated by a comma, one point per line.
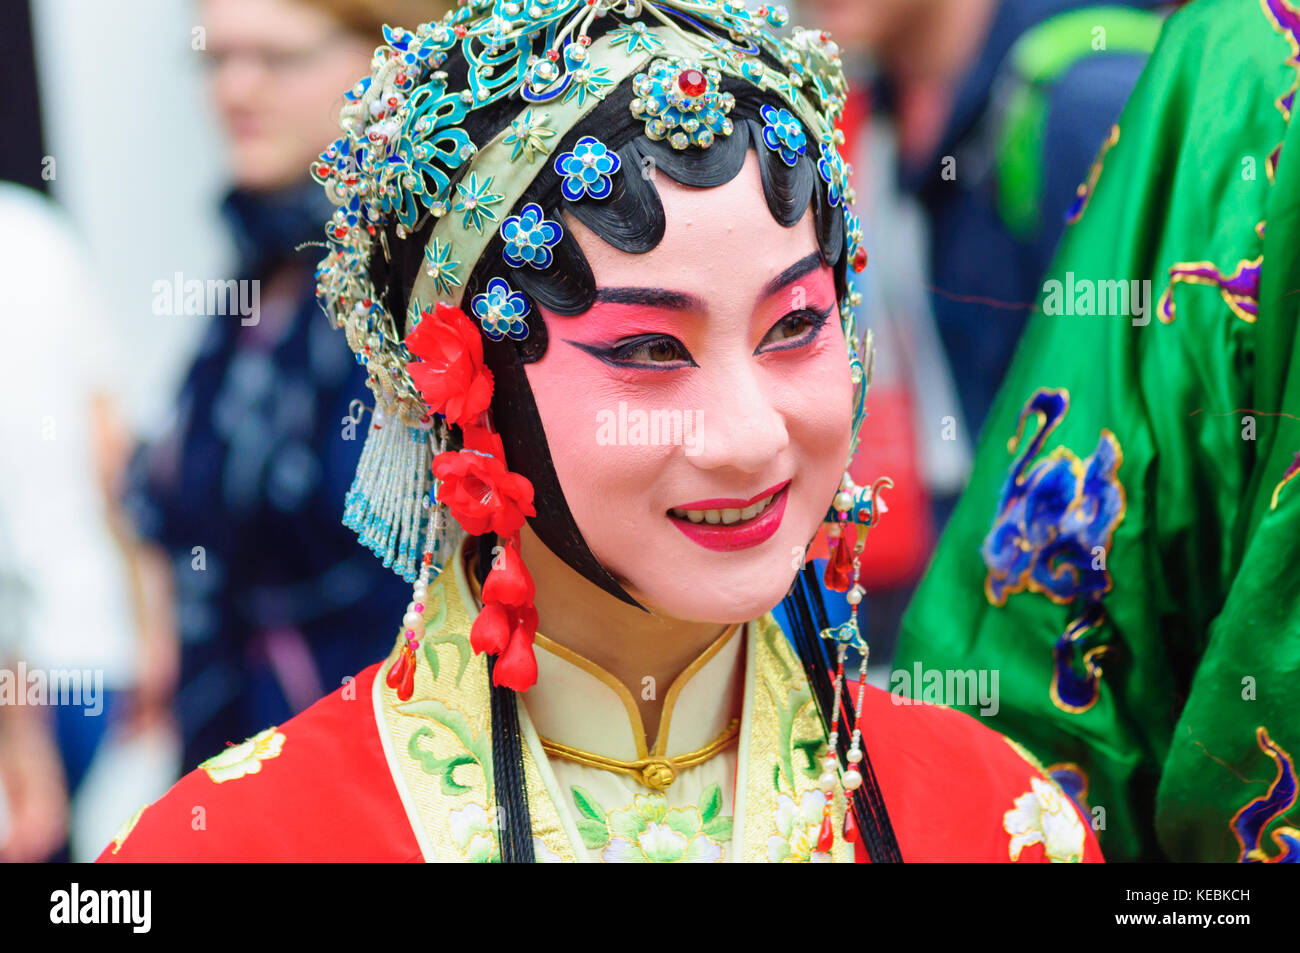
x=724, y=517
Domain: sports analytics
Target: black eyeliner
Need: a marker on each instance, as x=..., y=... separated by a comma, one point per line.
x=609, y=355
x=819, y=321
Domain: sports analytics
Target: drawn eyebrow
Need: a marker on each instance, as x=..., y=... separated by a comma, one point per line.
x=653, y=298
x=802, y=267
x=680, y=301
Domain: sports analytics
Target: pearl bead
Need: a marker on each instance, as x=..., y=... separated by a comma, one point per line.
x=411, y=620
x=420, y=594
x=854, y=596
x=855, y=755
x=828, y=780
x=852, y=780
x=829, y=762
x=842, y=501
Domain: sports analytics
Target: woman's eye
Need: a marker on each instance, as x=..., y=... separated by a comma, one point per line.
x=651, y=350
x=796, y=329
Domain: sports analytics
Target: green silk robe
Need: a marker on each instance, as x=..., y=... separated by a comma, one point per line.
x=1127, y=553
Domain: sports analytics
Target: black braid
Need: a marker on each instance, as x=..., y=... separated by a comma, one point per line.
x=514, y=821
x=807, y=614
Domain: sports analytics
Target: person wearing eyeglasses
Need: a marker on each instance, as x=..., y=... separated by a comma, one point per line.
x=252, y=584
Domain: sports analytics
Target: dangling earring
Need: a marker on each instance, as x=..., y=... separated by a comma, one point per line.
x=853, y=507
x=401, y=674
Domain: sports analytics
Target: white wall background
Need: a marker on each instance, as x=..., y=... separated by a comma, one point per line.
x=138, y=168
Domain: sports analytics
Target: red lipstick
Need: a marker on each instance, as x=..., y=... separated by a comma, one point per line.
x=730, y=504
x=735, y=536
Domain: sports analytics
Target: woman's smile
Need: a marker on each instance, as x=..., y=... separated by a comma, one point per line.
x=730, y=524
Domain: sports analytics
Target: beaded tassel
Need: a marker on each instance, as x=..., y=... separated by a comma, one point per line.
x=386, y=505
x=401, y=676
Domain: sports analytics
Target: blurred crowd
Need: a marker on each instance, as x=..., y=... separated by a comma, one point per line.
x=197, y=570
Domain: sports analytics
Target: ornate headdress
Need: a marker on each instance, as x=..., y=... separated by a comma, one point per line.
x=405, y=159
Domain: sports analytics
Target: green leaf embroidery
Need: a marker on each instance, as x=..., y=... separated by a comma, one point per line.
x=455, y=722
x=710, y=803
x=587, y=805
x=594, y=834
x=434, y=636
x=440, y=768
x=683, y=820
x=719, y=829
x=811, y=748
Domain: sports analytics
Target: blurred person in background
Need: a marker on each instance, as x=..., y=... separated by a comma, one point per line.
x=65, y=593
x=256, y=594
x=1000, y=106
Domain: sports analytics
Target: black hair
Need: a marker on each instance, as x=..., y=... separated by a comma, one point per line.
x=631, y=219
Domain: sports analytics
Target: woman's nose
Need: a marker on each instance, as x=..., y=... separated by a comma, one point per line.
x=739, y=426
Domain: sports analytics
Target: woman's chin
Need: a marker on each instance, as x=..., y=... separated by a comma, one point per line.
x=715, y=592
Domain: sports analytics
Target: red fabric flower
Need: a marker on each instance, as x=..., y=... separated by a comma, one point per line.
x=509, y=583
x=516, y=667
x=450, y=374
x=482, y=494
x=484, y=441
x=490, y=632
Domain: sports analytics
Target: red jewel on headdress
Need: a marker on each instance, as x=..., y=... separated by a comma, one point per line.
x=860, y=259
x=692, y=82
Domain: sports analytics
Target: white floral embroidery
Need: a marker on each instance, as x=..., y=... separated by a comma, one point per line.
x=247, y=758
x=1045, y=816
x=543, y=854
x=799, y=826
x=471, y=830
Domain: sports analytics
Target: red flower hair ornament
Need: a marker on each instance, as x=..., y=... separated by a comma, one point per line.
x=450, y=374
x=481, y=494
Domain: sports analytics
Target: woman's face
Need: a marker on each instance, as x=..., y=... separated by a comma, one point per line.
x=698, y=414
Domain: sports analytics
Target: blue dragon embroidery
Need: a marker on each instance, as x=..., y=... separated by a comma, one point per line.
x=1051, y=535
